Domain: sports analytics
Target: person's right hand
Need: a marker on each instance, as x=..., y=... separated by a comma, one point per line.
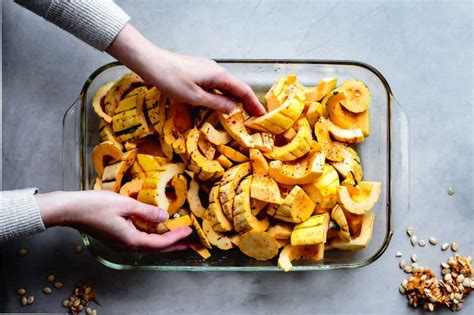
x=185, y=79
x=106, y=215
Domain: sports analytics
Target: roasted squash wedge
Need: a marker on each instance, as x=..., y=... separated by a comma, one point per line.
x=265, y=188
x=117, y=91
x=217, y=239
x=244, y=221
x=350, y=167
x=296, y=207
x=258, y=245
x=325, y=86
x=346, y=119
x=362, y=202
x=312, y=231
x=357, y=96
x=202, y=167
x=302, y=171
x=324, y=190
x=331, y=151
x=263, y=141
x=105, y=153
x=283, y=117
x=114, y=173
x=213, y=135
x=297, y=147
x=290, y=253
x=233, y=123
x=194, y=200
x=154, y=188
x=361, y=241
x=200, y=232
x=214, y=213
x=232, y=154
x=98, y=102
x=259, y=163
x=228, y=186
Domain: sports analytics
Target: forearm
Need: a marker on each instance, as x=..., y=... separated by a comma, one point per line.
x=19, y=214
x=95, y=22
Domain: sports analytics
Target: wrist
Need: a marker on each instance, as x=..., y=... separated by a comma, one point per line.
x=56, y=208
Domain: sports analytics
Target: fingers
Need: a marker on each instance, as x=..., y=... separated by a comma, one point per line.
x=216, y=102
x=242, y=92
x=175, y=247
x=142, y=240
x=146, y=212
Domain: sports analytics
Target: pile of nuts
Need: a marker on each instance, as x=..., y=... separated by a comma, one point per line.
x=80, y=299
x=423, y=288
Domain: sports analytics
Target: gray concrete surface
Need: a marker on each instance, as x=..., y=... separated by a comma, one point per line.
x=424, y=49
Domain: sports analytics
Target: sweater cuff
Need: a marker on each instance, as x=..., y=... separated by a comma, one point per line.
x=95, y=22
x=19, y=214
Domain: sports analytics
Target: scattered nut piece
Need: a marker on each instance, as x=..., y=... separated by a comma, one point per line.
x=78, y=249
x=454, y=247
x=433, y=241
x=58, y=284
x=47, y=290
x=423, y=288
x=402, y=264
x=22, y=252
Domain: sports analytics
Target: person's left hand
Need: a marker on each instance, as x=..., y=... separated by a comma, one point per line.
x=106, y=215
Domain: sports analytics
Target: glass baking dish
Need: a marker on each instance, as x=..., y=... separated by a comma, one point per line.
x=384, y=155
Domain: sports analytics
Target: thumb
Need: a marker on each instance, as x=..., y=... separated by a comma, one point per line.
x=216, y=102
x=147, y=212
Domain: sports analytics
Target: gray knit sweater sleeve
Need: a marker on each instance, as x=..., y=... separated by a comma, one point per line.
x=96, y=22
x=19, y=214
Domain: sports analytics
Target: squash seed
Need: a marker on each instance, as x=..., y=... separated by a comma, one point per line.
x=51, y=278
x=448, y=277
x=23, y=300
x=445, y=246
x=31, y=299
x=404, y=283
x=78, y=249
x=76, y=302
x=454, y=247
x=402, y=264
x=21, y=291
x=398, y=254
x=66, y=303
x=450, y=191
x=408, y=269
x=58, y=284
x=47, y=290
x=460, y=278
x=88, y=311
x=410, y=231
x=466, y=283
x=431, y=307
x=413, y=240
x=414, y=258
x=432, y=240
x=94, y=312
x=402, y=289
x=22, y=252
x=421, y=243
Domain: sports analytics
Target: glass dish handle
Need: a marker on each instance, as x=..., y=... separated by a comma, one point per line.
x=400, y=164
x=71, y=148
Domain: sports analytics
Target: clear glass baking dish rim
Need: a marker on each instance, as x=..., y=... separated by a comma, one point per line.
x=402, y=120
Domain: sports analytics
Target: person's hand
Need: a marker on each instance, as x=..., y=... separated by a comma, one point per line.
x=106, y=215
x=185, y=79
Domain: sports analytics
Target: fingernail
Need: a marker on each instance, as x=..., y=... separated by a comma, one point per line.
x=163, y=215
